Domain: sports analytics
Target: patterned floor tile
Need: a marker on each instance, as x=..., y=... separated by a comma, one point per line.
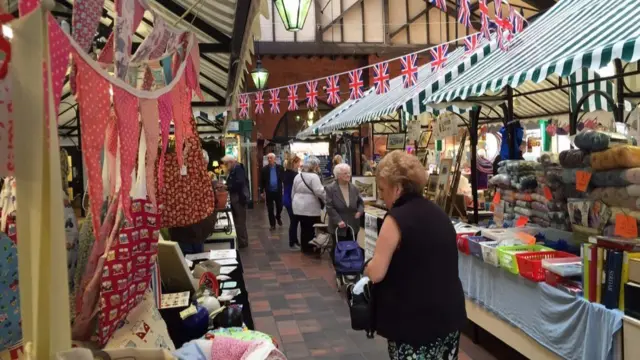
x=294, y=298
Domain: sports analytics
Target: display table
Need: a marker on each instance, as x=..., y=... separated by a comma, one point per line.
x=536, y=319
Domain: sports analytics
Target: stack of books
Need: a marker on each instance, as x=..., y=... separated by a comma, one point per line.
x=608, y=264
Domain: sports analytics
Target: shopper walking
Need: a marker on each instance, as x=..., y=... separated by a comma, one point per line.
x=415, y=254
x=308, y=196
x=344, y=205
x=239, y=195
x=290, y=173
x=271, y=177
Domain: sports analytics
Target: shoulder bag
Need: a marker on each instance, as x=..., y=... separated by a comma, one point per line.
x=312, y=192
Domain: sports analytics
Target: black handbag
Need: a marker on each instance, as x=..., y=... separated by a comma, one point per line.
x=361, y=310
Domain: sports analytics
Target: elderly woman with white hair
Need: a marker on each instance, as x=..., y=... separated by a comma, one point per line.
x=344, y=204
x=308, y=197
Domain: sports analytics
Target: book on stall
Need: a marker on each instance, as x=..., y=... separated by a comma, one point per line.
x=632, y=300
x=599, y=275
x=616, y=243
x=614, y=274
x=630, y=272
x=585, y=251
x=593, y=274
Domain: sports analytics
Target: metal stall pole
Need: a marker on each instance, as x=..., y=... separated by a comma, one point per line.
x=619, y=90
x=474, y=116
x=511, y=128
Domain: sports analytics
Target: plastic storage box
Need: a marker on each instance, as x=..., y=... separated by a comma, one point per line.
x=507, y=255
x=490, y=252
x=530, y=263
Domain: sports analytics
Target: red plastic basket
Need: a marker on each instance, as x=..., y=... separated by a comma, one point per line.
x=530, y=263
x=551, y=278
x=463, y=244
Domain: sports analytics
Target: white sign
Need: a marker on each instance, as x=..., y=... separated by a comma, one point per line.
x=413, y=131
x=445, y=125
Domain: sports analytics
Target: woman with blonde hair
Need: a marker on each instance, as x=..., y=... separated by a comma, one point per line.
x=415, y=254
x=291, y=171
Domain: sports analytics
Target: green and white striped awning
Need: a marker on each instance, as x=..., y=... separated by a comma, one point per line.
x=572, y=35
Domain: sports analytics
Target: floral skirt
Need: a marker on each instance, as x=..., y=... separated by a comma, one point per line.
x=445, y=348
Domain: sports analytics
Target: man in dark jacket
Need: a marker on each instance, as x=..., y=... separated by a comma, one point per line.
x=271, y=177
x=239, y=194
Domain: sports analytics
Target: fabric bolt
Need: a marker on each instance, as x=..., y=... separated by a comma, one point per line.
x=10, y=331
x=620, y=157
x=186, y=199
x=523, y=211
x=575, y=158
x=149, y=116
x=523, y=204
x=93, y=90
x=616, y=197
x=523, y=196
x=165, y=113
x=592, y=140
x=127, y=269
x=500, y=180
x=567, y=325
x=539, y=206
x=126, y=106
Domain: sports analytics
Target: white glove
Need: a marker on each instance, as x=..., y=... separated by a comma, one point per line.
x=358, y=288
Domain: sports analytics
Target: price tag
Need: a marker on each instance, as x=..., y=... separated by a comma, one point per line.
x=496, y=197
x=526, y=239
x=582, y=180
x=183, y=170
x=626, y=226
x=522, y=221
x=191, y=310
x=547, y=193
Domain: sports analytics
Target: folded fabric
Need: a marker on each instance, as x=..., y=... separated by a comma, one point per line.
x=539, y=214
x=500, y=180
x=524, y=204
x=613, y=196
x=609, y=178
x=574, y=158
x=523, y=211
x=539, y=206
x=548, y=159
x=523, y=196
x=619, y=157
x=592, y=140
x=195, y=350
x=233, y=349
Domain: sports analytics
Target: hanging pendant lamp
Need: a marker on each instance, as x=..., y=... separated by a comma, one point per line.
x=293, y=13
x=259, y=75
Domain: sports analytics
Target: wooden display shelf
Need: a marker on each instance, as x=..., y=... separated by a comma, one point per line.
x=507, y=333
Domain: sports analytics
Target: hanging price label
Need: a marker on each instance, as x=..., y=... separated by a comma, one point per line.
x=496, y=198
x=582, y=180
x=522, y=221
x=547, y=193
x=626, y=226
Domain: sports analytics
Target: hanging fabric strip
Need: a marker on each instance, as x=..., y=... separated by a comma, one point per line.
x=149, y=114
x=177, y=97
x=123, y=30
x=126, y=106
x=147, y=80
x=93, y=94
x=106, y=55
x=192, y=77
x=164, y=110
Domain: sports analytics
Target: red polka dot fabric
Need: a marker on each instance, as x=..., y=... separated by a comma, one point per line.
x=93, y=94
x=164, y=109
x=177, y=97
x=126, y=106
x=112, y=149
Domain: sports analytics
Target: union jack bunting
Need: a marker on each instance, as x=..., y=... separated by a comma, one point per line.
x=333, y=89
x=293, y=97
x=356, y=85
x=259, y=102
x=517, y=21
x=464, y=13
x=409, y=70
x=243, y=103
x=274, y=101
x=381, y=77
x=503, y=26
x=312, y=94
x=484, y=19
x=440, y=4
x=471, y=43
x=439, y=55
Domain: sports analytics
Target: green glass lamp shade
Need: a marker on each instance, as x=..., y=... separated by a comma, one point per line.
x=293, y=13
x=260, y=76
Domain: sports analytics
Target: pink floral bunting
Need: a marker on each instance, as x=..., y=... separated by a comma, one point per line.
x=93, y=94
x=126, y=106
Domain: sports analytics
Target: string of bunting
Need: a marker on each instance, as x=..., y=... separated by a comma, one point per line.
x=506, y=28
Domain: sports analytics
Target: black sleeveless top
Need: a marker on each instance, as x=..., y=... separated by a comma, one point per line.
x=421, y=298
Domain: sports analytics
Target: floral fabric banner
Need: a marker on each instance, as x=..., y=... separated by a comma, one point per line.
x=93, y=94
x=126, y=106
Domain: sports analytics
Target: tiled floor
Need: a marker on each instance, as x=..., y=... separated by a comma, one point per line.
x=294, y=298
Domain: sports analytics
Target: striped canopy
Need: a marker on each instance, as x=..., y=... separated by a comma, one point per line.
x=572, y=35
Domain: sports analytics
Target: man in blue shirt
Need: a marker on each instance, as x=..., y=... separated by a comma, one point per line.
x=271, y=189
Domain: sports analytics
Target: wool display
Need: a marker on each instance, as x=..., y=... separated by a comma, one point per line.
x=620, y=157
x=592, y=140
x=575, y=158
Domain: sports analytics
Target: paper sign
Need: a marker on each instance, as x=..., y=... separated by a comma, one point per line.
x=527, y=239
x=496, y=198
x=626, y=226
x=547, y=193
x=582, y=180
x=183, y=170
x=522, y=221
x=413, y=131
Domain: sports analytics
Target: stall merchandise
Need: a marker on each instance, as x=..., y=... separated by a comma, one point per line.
x=549, y=201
